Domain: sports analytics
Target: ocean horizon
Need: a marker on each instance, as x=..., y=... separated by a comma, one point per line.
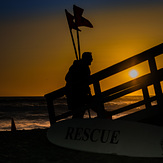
x=31, y=112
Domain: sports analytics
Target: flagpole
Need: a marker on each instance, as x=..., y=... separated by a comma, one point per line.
x=70, y=24
x=78, y=43
x=73, y=42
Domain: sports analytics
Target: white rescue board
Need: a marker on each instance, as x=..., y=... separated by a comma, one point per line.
x=109, y=137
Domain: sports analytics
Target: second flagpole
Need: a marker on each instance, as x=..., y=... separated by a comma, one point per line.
x=77, y=32
x=74, y=44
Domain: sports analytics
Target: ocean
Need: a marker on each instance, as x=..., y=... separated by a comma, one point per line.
x=31, y=112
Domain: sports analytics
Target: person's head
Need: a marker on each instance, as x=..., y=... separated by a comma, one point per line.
x=87, y=58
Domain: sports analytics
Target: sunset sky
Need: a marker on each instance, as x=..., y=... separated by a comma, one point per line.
x=36, y=49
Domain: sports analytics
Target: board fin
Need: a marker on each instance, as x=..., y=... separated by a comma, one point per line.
x=13, y=126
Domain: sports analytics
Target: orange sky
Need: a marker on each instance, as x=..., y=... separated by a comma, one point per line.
x=36, y=51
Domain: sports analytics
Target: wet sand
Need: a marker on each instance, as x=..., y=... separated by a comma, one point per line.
x=33, y=146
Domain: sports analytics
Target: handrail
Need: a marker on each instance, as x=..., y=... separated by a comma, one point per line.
x=154, y=77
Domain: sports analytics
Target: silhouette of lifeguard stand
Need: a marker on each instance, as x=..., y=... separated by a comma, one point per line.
x=152, y=114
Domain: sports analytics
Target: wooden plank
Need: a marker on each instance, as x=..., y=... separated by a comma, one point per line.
x=122, y=93
x=146, y=97
x=126, y=85
x=51, y=111
x=97, y=90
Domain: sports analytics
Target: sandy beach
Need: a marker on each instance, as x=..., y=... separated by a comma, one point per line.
x=33, y=146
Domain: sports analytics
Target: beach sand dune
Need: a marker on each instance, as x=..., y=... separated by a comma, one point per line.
x=33, y=146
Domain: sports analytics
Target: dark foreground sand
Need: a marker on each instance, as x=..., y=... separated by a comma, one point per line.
x=33, y=146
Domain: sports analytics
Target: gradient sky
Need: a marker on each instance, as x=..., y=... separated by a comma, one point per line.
x=36, y=49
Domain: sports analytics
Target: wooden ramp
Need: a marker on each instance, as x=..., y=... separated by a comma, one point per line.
x=142, y=83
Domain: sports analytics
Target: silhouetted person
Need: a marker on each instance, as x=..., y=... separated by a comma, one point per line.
x=77, y=87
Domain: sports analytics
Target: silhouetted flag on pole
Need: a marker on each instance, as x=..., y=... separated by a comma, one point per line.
x=71, y=23
x=79, y=20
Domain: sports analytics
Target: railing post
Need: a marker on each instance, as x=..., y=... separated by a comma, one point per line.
x=50, y=107
x=97, y=90
x=50, y=97
x=157, y=85
x=146, y=97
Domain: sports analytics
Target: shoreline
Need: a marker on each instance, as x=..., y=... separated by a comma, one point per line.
x=33, y=146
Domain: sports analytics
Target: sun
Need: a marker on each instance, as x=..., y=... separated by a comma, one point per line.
x=133, y=73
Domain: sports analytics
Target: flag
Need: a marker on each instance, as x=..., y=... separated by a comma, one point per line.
x=70, y=19
x=79, y=20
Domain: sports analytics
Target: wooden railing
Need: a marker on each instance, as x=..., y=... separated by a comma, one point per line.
x=153, y=78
